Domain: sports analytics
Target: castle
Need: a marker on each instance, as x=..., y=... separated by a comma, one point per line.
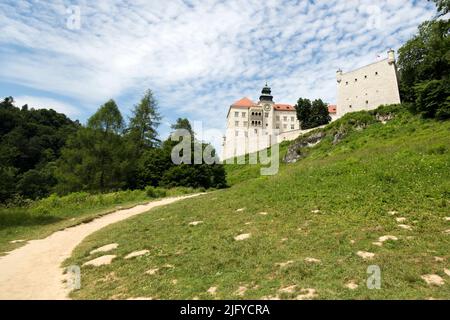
x=368, y=87
x=256, y=126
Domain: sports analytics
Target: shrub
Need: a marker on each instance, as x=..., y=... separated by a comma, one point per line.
x=153, y=192
x=433, y=99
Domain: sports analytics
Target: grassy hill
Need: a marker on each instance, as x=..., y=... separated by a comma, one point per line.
x=318, y=214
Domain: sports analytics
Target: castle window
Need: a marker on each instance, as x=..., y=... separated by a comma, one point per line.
x=285, y=118
x=292, y=119
x=236, y=114
x=350, y=106
x=267, y=114
x=244, y=114
x=292, y=127
x=367, y=102
x=236, y=123
x=278, y=118
x=245, y=124
x=376, y=73
x=365, y=77
x=256, y=130
x=356, y=80
x=285, y=126
x=267, y=124
x=277, y=126
x=346, y=83
x=236, y=133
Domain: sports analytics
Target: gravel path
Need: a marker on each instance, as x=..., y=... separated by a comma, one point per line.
x=34, y=270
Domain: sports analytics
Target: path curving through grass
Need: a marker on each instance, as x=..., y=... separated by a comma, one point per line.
x=34, y=271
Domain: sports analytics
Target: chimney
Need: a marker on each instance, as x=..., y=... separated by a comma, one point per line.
x=391, y=56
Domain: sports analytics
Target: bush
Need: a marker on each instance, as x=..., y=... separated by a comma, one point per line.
x=153, y=192
x=433, y=99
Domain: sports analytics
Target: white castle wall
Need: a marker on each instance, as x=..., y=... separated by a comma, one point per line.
x=368, y=87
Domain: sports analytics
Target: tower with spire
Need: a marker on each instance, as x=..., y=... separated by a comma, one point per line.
x=253, y=126
x=266, y=94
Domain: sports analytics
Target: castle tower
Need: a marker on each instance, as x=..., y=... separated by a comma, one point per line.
x=368, y=87
x=266, y=94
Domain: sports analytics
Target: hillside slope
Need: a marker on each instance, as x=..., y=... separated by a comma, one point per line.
x=305, y=226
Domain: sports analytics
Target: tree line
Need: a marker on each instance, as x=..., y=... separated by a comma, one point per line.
x=43, y=151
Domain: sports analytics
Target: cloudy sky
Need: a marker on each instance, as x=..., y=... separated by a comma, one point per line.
x=197, y=56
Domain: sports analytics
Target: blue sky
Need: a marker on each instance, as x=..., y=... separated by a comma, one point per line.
x=197, y=56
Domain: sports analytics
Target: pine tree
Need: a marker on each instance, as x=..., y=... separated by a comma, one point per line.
x=107, y=118
x=145, y=121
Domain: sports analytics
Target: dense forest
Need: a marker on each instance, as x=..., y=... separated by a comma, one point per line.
x=44, y=152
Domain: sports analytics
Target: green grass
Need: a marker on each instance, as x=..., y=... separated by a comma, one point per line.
x=403, y=165
x=41, y=218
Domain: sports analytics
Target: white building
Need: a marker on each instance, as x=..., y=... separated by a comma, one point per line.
x=368, y=87
x=255, y=126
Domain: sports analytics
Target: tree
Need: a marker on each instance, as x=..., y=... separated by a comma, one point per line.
x=443, y=6
x=107, y=118
x=425, y=57
x=30, y=141
x=303, y=109
x=313, y=114
x=433, y=99
x=93, y=160
x=319, y=113
x=144, y=122
x=183, y=123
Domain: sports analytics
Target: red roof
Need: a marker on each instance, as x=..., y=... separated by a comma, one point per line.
x=243, y=103
x=332, y=108
x=284, y=107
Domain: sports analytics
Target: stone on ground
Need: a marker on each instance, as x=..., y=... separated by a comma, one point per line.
x=351, y=285
x=290, y=289
x=386, y=238
x=241, y=291
x=447, y=218
x=212, y=290
x=365, y=255
x=242, y=237
x=447, y=271
x=438, y=259
x=263, y=213
x=284, y=264
x=433, y=279
x=312, y=260
x=400, y=220
x=379, y=244
x=405, y=226
x=100, y=261
x=392, y=213
x=17, y=241
x=152, y=271
x=307, y=294
x=195, y=223
x=105, y=248
x=240, y=210
x=315, y=211
x=136, y=254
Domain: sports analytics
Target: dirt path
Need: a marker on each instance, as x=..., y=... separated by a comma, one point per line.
x=34, y=270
